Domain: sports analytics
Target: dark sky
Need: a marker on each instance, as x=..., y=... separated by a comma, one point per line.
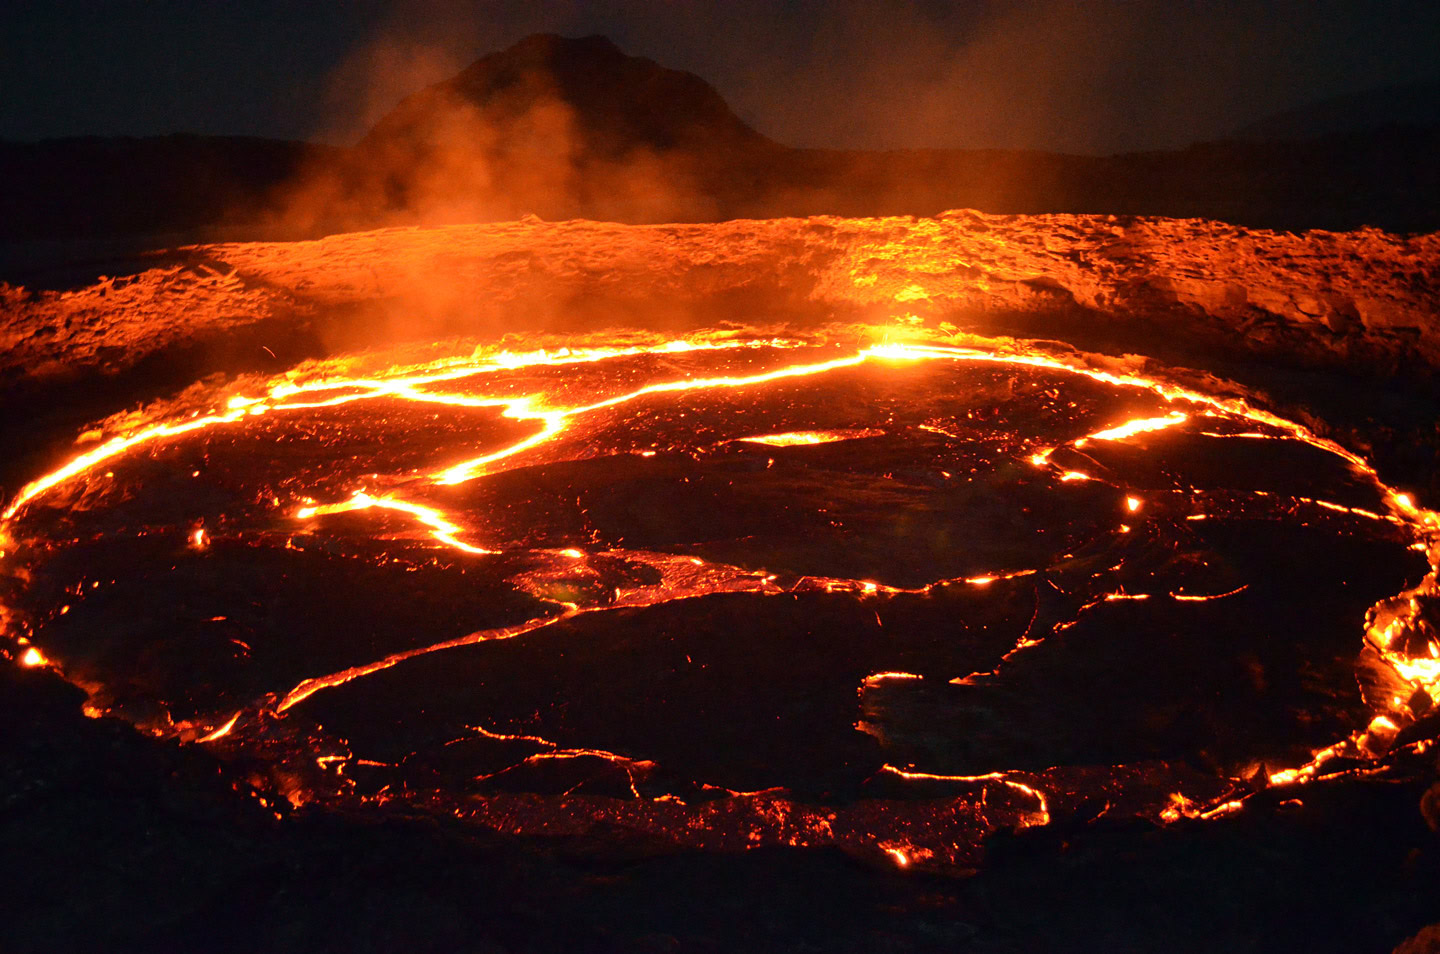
x=1072, y=75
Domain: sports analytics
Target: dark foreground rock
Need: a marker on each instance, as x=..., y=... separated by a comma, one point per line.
x=112, y=841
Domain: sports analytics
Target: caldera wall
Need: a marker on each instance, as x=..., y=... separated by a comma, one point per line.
x=1365, y=299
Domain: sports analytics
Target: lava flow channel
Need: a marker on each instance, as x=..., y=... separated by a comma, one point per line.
x=642, y=586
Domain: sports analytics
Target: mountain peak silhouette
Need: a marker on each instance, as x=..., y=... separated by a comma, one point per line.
x=611, y=103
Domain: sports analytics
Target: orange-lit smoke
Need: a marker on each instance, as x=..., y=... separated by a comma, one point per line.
x=549, y=127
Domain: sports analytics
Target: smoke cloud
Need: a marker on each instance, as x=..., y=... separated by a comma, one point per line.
x=554, y=140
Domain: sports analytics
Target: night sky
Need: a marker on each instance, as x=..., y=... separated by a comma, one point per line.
x=1079, y=76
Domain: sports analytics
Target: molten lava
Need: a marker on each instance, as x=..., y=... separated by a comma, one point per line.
x=640, y=585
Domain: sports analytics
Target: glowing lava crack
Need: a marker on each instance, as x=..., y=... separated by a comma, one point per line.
x=640, y=584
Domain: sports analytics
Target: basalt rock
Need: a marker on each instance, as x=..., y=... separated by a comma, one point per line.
x=1364, y=301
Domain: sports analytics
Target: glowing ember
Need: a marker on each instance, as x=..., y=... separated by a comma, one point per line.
x=805, y=438
x=440, y=528
x=576, y=585
x=220, y=732
x=1131, y=428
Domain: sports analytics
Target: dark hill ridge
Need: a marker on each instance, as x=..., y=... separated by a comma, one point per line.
x=97, y=186
x=619, y=103
x=575, y=128
x=1403, y=105
x=560, y=128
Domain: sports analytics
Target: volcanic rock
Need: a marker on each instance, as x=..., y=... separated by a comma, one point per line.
x=1408, y=104
x=619, y=103
x=1364, y=300
x=1426, y=942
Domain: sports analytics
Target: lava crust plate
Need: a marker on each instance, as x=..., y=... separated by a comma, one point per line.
x=731, y=590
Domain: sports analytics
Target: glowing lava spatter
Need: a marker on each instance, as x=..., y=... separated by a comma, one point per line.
x=808, y=438
x=556, y=412
x=1138, y=426
x=440, y=528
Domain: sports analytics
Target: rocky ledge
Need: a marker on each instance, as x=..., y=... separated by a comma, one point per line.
x=1365, y=300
